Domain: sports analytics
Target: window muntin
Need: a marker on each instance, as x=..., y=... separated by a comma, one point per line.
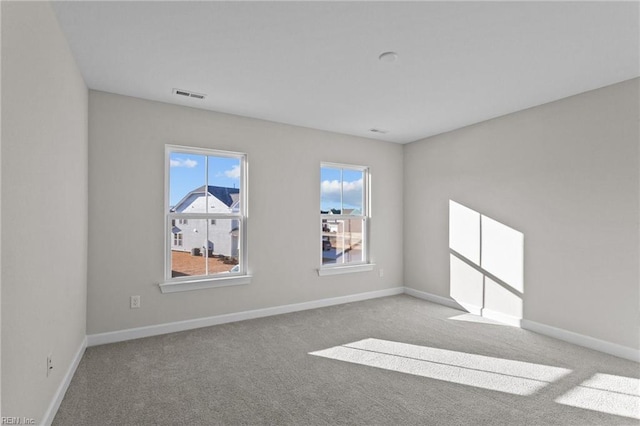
x=206, y=213
x=343, y=215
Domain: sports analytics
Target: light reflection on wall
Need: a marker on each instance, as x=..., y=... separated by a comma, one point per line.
x=486, y=262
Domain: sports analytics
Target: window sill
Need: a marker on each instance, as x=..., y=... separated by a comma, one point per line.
x=367, y=267
x=198, y=284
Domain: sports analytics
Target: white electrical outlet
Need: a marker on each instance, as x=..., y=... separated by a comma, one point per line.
x=49, y=364
x=381, y=273
x=135, y=302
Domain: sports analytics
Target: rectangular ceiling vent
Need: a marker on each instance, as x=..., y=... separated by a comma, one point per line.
x=188, y=94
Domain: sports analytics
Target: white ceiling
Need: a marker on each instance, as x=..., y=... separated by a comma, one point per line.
x=315, y=64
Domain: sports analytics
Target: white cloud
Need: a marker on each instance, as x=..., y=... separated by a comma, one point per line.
x=351, y=193
x=234, y=173
x=353, y=187
x=183, y=162
x=331, y=188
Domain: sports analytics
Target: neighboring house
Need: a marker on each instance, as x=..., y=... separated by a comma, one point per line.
x=341, y=235
x=340, y=225
x=222, y=235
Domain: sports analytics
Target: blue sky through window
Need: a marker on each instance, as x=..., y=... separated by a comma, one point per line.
x=187, y=172
x=341, y=186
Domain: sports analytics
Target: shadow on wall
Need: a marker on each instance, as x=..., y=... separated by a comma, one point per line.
x=486, y=261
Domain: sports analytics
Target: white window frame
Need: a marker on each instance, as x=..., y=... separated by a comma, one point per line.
x=364, y=265
x=176, y=284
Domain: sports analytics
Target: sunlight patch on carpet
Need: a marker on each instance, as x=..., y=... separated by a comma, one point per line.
x=606, y=393
x=486, y=372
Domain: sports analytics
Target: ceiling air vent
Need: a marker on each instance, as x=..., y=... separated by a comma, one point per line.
x=188, y=94
x=379, y=131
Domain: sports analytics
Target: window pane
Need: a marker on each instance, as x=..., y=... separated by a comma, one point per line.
x=199, y=248
x=224, y=246
x=330, y=190
x=224, y=184
x=187, y=242
x=186, y=175
x=342, y=241
x=352, y=193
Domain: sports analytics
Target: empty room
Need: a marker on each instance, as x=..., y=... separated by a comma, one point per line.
x=320, y=213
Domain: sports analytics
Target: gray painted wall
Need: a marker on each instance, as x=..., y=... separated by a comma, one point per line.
x=44, y=207
x=564, y=174
x=126, y=158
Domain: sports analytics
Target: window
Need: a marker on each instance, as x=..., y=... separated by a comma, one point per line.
x=344, y=216
x=206, y=216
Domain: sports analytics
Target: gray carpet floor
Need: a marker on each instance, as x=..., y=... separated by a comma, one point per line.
x=390, y=361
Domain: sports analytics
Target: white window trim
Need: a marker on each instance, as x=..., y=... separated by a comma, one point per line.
x=198, y=284
x=172, y=285
x=366, y=265
x=346, y=269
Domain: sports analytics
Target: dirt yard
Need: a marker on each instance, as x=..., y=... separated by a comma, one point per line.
x=183, y=264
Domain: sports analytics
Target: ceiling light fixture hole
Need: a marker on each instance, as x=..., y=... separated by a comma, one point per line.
x=388, y=56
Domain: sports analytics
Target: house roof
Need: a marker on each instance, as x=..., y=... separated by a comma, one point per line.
x=228, y=196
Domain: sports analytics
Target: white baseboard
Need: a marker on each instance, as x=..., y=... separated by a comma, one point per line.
x=582, y=340
x=155, y=330
x=64, y=385
x=561, y=334
x=433, y=298
x=446, y=301
x=502, y=317
x=547, y=330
